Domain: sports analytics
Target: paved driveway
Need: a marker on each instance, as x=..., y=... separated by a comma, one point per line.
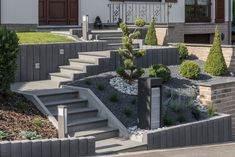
x=223, y=150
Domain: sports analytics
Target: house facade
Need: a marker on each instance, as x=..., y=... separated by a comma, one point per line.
x=190, y=21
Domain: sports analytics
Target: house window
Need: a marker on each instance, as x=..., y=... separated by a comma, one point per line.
x=197, y=10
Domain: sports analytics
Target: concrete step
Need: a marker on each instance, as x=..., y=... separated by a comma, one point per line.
x=71, y=104
x=118, y=145
x=112, y=39
x=98, y=133
x=71, y=69
x=48, y=96
x=60, y=77
x=90, y=58
x=87, y=124
x=79, y=113
x=81, y=63
x=109, y=33
x=116, y=46
x=97, y=53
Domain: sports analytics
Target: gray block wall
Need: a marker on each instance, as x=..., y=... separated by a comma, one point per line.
x=36, y=61
x=166, y=56
x=215, y=130
x=73, y=147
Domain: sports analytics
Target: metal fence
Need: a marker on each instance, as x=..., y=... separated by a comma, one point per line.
x=129, y=11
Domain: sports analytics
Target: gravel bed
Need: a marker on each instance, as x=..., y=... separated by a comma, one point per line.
x=179, y=84
x=189, y=87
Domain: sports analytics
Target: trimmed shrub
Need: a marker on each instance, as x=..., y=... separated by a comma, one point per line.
x=160, y=70
x=88, y=82
x=139, y=22
x=127, y=112
x=151, y=37
x=3, y=135
x=37, y=121
x=9, y=49
x=183, y=51
x=114, y=98
x=189, y=69
x=29, y=135
x=100, y=87
x=215, y=63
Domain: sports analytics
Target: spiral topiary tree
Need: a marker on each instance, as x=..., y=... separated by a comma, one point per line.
x=151, y=37
x=9, y=49
x=215, y=63
x=129, y=71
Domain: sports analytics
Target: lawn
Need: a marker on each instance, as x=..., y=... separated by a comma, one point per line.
x=42, y=37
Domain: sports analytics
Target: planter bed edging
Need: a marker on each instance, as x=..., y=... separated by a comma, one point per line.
x=70, y=147
x=214, y=130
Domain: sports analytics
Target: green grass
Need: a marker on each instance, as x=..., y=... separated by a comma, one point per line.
x=41, y=38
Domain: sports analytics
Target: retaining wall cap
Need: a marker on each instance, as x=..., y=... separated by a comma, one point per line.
x=202, y=45
x=217, y=82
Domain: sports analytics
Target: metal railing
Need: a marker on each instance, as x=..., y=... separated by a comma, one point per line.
x=129, y=11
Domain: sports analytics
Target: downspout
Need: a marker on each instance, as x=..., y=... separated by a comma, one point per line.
x=230, y=23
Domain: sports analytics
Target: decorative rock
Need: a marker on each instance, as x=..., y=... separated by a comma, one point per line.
x=122, y=86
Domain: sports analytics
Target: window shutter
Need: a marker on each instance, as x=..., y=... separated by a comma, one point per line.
x=219, y=11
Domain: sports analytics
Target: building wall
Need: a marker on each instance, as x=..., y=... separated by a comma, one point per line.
x=175, y=32
x=26, y=11
x=201, y=51
x=19, y=12
x=222, y=95
x=94, y=9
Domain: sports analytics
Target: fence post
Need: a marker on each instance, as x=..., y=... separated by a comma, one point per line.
x=62, y=121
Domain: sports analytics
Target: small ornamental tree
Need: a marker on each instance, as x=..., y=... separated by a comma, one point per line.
x=129, y=70
x=215, y=63
x=9, y=49
x=151, y=37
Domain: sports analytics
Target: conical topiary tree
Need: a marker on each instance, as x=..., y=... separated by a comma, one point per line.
x=151, y=37
x=215, y=63
x=129, y=71
x=9, y=49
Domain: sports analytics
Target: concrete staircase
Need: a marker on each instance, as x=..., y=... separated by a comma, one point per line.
x=85, y=120
x=87, y=64
x=113, y=38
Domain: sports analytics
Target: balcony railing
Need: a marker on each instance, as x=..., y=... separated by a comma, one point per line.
x=129, y=11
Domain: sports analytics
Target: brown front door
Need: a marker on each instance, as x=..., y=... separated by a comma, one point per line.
x=58, y=12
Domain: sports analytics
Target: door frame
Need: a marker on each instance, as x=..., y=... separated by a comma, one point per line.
x=45, y=22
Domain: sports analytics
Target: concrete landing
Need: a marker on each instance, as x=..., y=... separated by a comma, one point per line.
x=34, y=85
x=118, y=145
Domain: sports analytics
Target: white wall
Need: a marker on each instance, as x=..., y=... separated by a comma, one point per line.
x=19, y=11
x=94, y=8
x=177, y=12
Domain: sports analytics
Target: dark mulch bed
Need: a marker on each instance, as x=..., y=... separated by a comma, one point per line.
x=17, y=114
x=118, y=108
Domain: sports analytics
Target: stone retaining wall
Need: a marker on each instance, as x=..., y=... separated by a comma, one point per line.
x=222, y=94
x=73, y=147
